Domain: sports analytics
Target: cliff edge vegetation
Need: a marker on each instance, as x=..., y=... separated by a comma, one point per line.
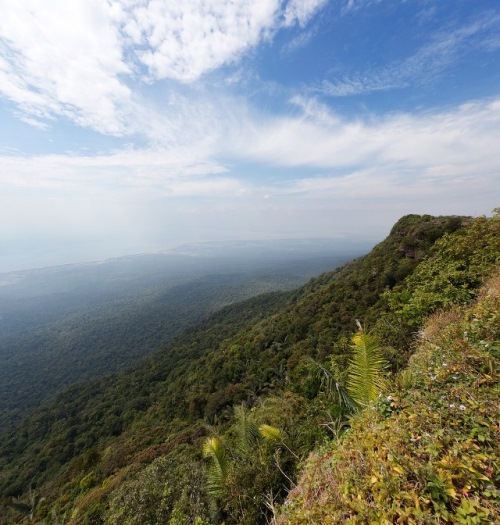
x=428, y=450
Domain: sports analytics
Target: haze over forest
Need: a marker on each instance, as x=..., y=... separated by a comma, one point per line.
x=274, y=409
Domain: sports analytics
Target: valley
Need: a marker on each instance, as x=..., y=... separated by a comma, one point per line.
x=64, y=324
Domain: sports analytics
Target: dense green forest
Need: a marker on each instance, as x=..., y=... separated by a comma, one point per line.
x=66, y=324
x=247, y=417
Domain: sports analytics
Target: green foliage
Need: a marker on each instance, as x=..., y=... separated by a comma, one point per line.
x=267, y=467
x=82, y=326
x=250, y=459
x=432, y=454
x=458, y=264
x=217, y=470
x=87, y=481
x=366, y=368
x=333, y=388
x=247, y=430
x=168, y=490
x=72, y=424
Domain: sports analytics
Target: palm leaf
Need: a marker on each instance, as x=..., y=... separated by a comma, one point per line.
x=271, y=433
x=248, y=433
x=329, y=384
x=217, y=469
x=365, y=373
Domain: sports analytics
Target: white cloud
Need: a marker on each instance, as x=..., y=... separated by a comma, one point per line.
x=348, y=86
x=64, y=59
x=185, y=40
x=381, y=157
x=32, y=121
x=354, y=5
x=300, y=11
x=142, y=174
x=301, y=40
x=402, y=157
x=82, y=59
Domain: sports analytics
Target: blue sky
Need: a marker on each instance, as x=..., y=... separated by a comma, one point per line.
x=134, y=125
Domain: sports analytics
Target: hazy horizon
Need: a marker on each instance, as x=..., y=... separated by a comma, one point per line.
x=208, y=248
x=131, y=126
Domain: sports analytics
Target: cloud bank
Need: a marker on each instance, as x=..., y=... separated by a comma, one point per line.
x=400, y=154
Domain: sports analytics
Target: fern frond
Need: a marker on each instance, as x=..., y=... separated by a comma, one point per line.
x=248, y=433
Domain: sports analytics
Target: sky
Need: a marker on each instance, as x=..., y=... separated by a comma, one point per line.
x=131, y=126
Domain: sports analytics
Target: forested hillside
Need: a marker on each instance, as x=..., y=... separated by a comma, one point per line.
x=66, y=324
x=215, y=427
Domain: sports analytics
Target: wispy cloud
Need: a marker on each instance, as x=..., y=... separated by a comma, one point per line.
x=301, y=40
x=300, y=11
x=438, y=161
x=149, y=172
x=383, y=167
x=353, y=5
x=460, y=137
x=424, y=66
x=426, y=14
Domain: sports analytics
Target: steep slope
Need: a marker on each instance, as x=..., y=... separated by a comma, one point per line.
x=75, y=420
x=429, y=450
x=92, y=451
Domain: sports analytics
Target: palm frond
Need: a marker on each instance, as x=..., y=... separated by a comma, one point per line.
x=217, y=469
x=271, y=433
x=365, y=374
x=331, y=386
x=248, y=433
